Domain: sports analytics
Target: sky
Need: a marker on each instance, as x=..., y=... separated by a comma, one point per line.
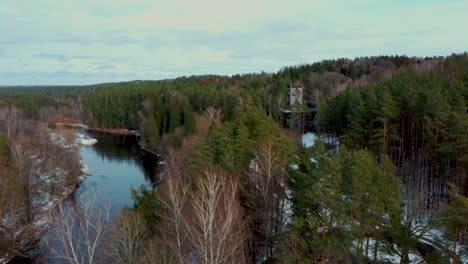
x=70, y=42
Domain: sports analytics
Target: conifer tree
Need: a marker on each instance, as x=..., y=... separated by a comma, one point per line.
x=456, y=218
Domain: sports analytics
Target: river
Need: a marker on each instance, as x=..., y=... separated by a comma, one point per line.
x=116, y=164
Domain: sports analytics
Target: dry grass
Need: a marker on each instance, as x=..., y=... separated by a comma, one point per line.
x=70, y=134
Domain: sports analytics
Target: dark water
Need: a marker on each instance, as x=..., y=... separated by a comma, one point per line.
x=116, y=164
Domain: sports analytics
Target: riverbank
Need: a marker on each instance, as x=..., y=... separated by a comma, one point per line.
x=114, y=131
x=143, y=147
x=117, y=165
x=45, y=200
x=125, y=132
x=37, y=228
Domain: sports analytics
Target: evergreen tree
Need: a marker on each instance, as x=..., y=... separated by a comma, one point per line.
x=456, y=219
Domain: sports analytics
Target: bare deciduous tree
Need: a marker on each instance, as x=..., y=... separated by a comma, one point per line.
x=157, y=251
x=266, y=171
x=5, y=179
x=22, y=163
x=10, y=117
x=174, y=200
x=127, y=238
x=47, y=114
x=214, y=115
x=147, y=106
x=14, y=237
x=268, y=195
x=77, y=230
x=216, y=225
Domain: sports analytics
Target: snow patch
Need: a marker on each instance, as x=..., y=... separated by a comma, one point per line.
x=308, y=139
x=85, y=140
x=53, y=185
x=84, y=168
x=384, y=255
x=294, y=167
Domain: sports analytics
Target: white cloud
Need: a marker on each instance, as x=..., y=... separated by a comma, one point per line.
x=88, y=41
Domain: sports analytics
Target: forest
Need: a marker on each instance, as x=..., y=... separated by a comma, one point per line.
x=388, y=168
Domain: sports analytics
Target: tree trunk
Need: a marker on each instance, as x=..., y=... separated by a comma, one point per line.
x=324, y=251
x=454, y=252
x=367, y=240
x=2, y=204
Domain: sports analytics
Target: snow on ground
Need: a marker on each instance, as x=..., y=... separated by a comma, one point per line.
x=294, y=166
x=81, y=140
x=59, y=139
x=308, y=139
x=43, y=200
x=436, y=237
x=287, y=209
x=86, y=140
x=460, y=250
x=383, y=256
x=84, y=168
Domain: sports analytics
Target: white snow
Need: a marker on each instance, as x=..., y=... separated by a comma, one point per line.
x=58, y=138
x=84, y=168
x=43, y=200
x=294, y=166
x=382, y=255
x=86, y=140
x=308, y=139
x=287, y=209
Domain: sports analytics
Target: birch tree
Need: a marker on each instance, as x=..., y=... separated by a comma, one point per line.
x=127, y=238
x=21, y=160
x=268, y=194
x=77, y=230
x=10, y=117
x=174, y=200
x=216, y=226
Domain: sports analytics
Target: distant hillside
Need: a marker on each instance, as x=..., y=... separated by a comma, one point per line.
x=321, y=79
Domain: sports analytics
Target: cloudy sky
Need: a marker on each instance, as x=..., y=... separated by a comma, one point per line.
x=92, y=41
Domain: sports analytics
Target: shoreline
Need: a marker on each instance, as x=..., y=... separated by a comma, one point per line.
x=120, y=131
x=114, y=131
x=37, y=227
x=142, y=147
x=117, y=131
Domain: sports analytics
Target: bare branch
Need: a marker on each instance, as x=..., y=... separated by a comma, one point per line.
x=77, y=231
x=127, y=238
x=216, y=226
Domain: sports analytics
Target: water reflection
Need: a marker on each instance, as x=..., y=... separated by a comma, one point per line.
x=116, y=164
x=124, y=149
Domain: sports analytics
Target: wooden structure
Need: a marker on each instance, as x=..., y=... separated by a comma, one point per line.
x=294, y=114
x=296, y=95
